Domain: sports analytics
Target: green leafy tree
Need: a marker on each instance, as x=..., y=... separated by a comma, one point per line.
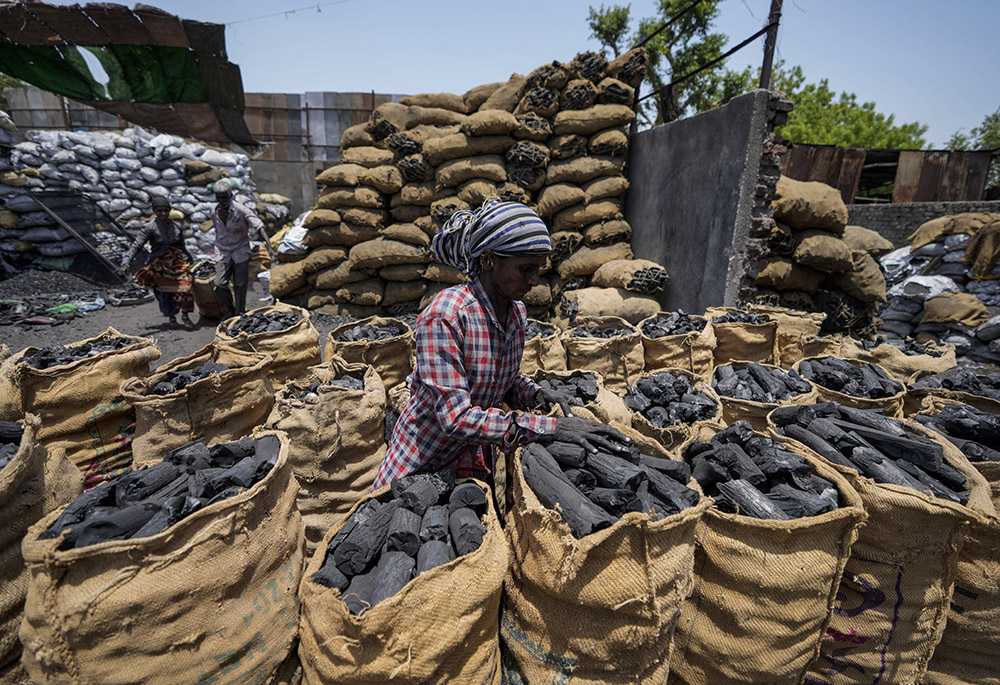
x=986, y=136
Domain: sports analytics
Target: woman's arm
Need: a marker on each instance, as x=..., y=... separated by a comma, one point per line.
x=141, y=238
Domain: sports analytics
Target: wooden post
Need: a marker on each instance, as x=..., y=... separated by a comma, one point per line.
x=769, y=42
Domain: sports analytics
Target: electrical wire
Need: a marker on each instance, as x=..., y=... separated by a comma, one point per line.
x=318, y=7
x=667, y=23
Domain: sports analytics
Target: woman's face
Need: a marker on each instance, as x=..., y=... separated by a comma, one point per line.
x=513, y=277
x=161, y=213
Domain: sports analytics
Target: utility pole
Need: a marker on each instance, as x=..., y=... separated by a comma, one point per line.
x=772, y=37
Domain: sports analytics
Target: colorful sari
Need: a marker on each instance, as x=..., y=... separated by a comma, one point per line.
x=169, y=277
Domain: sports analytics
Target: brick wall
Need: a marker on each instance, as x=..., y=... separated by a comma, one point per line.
x=896, y=221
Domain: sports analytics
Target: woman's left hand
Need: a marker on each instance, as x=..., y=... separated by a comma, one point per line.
x=548, y=398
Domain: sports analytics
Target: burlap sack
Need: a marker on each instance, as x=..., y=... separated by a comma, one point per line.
x=764, y=591
x=494, y=122
x=475, y=97
x=206, y=297
x=539, y=296
x=448, y=101
x=322, y=217
x=821, y=250
x=437, y=151
x=897, y=586
x=601, y=609
x=755, y=413
x=580, y=216
x=392, y=359
x=557, y=197
x=366, y=293
x=440, y=628
x=403, y=272
x=691, y=351
x=804, y=204
x=890, y=406
x=386, y=179
x=618, y=360
x=407, y=213
x=341, y=174
x=962, y=308
x=742, y=341
x=579, y=170
x=604, y=187
x=285, y=279
x=355, y=136
x=607, y=233
x=592, y=119
x=210, y=599
x=624, y=273
x=342, y=274
x=323, y=258
x=633, y=307
x=611, y=142
x=866, y=240
x=368, y=157
x=421, y=194
x=795, y=328
x=403, y=291
x=380, y=252
x=454, y=173
x=784, y=274
x=361, y=196
x=916, y=399
x=81, y=409
x=901, y=365
x=630, y=67
x=543, y=352
x=587, y=260
x=363, y=217
x=292, y=350
x=221, y=408
x=865, y=281
x=475, y=192
x=607, y=408
x=567, y=146
x=11, y=408
x=672, y=437
x=337, y=441
x=32, y=484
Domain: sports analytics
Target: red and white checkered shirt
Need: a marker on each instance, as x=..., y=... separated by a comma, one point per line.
x=466, y=364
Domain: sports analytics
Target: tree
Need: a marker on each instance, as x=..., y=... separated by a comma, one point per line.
x=986, y=136
x=679, y=49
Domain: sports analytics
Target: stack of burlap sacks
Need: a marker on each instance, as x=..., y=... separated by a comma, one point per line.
x=555, y=140
x=818, y=263
x=274, y=210
x=943, y=287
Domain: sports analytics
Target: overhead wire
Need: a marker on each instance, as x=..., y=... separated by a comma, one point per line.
x=667, y=23
x=315, y=6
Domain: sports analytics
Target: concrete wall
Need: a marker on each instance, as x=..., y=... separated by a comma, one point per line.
x=896, y=221
x=693, y=184
x=296, y=180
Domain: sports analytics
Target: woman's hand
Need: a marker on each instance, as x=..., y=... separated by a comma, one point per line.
x=548, y=398
x=590, y=435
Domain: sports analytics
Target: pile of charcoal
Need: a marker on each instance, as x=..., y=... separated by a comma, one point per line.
x=757, y=383
x=582, y=386
x=10, y=440
x=962, y=380
x=537, y=329
x=741, y=316
x=974, y=432
x=259, y=322
x=755, y=476
x=312, y=390
x=369, y=333
x=600, y=332
x=423, y=522
x=391, y=417
x=178, y=380
x=907, y=346
x=593, y=490
x=205, y=269
x=873, y=445
x=58, y=355
x=865, y=380
x=150, y=500
x=674, y=323
x=668, y=400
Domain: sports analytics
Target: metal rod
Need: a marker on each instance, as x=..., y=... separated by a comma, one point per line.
x=772, y=38
x=72, y=231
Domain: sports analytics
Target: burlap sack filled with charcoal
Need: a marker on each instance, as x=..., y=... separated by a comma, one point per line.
x=897, y=584
x=206, y=298
x=673, y=406
x=282, y=331
x=608, y=345
x=440, y=628
x=795, y=328
x=588, y=387
x=334, y=419
x=181, y=606
x=543, y=349
x=78, y=402
x=218, y=393
x=765, y=587
x=804, y=204
x=955, y=384
x=11, y=408
x=901, y=365
x=853, y=383
x=637, y=275
x=384, y=343
x=741, y=335
x=749, y=391
x=599, y=608
x=33, y=483
x=602, y=302
x=675, y=340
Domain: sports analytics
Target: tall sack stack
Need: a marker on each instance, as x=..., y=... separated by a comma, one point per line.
x=555, y=140
x=816, y=265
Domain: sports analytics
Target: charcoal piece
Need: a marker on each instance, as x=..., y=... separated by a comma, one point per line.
x=740, y=464
x=769, y=383
x=391, y=418
x=614, y=472
x=922, y=452
x=675, y=495
x=675, y=323
x=363, y=513
x=678, y=470
x=369, y=333
x=725, y=380
x=432, y=554
x=801, y=415
x=795, y=384
x=171, y=511
x=738, y=433
x=265, y=449
x=649, y=503
x=882, y=469
x=843, y=440
x=659, y=417
x=817, y=445
x=144, y=483
x=393, y=572
x=788, y=498
x=118, y=525
x=707, y=472
x=749, y=501
x=553, y=489
x=358, y=596
x=468, y=495
x=329, y=575
x=11, y=432
x=358, y=550
x=950, y=476
x=422, y=490
x=870, y=419
x=636, y=401
x=434, y=525
x=964, y=421
x=79, y=509
x=568, y=455
x=231, y=491
x=696, y=448
x=194, y=456
x=741, y=316
x=259, y=322
x=583, y=480
x=780, y=463
x=615, y=501
x=240, y=475
x=466, y=531
x=404, y=532
x=972, y=449
x=348, y=382
x=936, y=487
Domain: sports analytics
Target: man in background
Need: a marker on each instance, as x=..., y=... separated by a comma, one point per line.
x=234, y=223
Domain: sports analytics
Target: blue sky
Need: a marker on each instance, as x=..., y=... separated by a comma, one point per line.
x=921, y=60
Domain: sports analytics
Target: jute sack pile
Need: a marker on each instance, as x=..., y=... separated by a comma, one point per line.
x=764, y=591
x=440, y=628
x=618, y=360
x=673, y=437
x=897, y=585
x=755, y=413
x=543, y=352
x=901, y=365
x=795, y=328
x=11, y=408
x=890, y=406
x=211, y=599
x=742, y=341
x=32, y=484
x=392, y=359
x=223, y=407
x=81, y=408
x=600, y=609
x=607, y=408
x=337, y=441
x=692, y=351
x=292, y=350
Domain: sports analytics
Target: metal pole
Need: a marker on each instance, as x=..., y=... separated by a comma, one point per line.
x=772, y=37
x=69, y=229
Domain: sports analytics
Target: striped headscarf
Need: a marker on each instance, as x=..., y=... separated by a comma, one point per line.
x=504, y=228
